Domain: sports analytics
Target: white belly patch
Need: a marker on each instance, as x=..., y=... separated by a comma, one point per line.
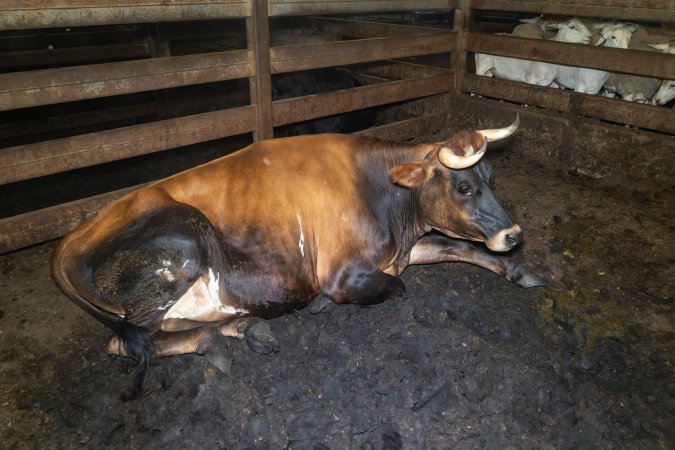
x=201, y=303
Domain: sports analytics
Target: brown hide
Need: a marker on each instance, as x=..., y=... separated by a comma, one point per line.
x=280, y=187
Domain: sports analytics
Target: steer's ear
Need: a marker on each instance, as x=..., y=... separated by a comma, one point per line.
x=411, y=175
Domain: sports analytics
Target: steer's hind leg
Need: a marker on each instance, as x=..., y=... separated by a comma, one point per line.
x=437, y=248
x=255, y=331
x=171, y=343
x=145, y=269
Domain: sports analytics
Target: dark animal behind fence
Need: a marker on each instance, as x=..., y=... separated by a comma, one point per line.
x=298, y=84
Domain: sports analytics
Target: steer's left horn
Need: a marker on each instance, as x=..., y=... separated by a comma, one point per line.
x=501, y=133
x=466, y=148
x=460, y=151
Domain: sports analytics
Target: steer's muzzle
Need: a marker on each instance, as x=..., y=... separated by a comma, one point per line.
x=505, y=239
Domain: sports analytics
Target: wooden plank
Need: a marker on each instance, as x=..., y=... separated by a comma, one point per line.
x=313, y=7
x=397, y=70
x=43, y=87
x=21, y=14
x=313, y=56
x=68, y=121
x=13, y=61
x=638, y=10
x=407, y=129
x=364, y=30
x=261, y=85
x=50, y=223
x=650, y=64
x=462, y=22
x=336, y=102
x=43, y=158
x=648, y=117
x=527, y=94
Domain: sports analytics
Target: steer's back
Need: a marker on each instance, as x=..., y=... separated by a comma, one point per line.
x=289, y=208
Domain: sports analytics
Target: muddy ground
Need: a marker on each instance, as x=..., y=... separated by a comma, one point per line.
x=467, y=361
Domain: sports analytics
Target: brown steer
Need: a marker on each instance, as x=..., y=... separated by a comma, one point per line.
x=270, y=228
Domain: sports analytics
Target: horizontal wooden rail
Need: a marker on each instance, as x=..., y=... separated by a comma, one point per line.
x=44, y=87
x=308, y=7
x=626, y=113
x=22, y=14
x=44, y=158
x=39, y=125
x=320, y=105
x=73, y=55
x=398, y=70
x=314, y=56
x=364, y=30
x=407, y=129
x=636, y=62
x=638, y=10
x=53, y=222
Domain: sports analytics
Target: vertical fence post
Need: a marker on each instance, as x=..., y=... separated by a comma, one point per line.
x=461, y=26
x=258, y=38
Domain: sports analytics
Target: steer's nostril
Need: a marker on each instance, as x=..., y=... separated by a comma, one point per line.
x=513, y=239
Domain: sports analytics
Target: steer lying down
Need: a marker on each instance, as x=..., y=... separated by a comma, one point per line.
x=270, y=228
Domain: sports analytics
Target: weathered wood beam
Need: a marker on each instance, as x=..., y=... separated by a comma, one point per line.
x=407, y=129
x=21, y=14
x=329, y=103
x=636, y=62
x=258, y=33
x=50, y=223
x=44, y=158
x=313, y=56
x=309, y=7
x=649, y=117
x=638, y=10
x=44, y=87
x=364, y=30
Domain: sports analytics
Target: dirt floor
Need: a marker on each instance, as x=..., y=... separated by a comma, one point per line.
x=467, y=361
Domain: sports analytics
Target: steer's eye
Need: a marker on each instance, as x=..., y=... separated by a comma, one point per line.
x=464, y=189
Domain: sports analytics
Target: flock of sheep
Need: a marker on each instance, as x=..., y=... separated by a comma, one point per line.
x=589, y=81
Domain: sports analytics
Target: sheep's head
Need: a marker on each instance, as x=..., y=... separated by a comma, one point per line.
x=617, y=36
x=572, y=30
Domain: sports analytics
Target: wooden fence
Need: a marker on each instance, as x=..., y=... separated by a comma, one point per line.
x=366, y=42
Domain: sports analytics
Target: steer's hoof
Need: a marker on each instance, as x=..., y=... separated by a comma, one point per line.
x=260, y=339
x=524, y=279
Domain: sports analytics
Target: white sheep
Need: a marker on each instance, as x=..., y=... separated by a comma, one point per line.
x=667, y=90
x=590, y=81
x=514, y=69
x=573, y=31
x=633, y=87
x=530, y=28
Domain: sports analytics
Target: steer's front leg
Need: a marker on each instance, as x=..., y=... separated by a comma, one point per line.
x=438, y=248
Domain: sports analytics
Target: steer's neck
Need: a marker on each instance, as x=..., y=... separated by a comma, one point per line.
x=395, y=207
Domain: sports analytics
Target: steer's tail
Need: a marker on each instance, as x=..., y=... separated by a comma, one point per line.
x=136, y=340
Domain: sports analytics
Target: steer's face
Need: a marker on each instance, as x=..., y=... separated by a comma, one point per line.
x=454, y=191
x=460, y=203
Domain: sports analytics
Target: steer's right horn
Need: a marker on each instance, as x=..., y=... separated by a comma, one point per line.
x=501, y=133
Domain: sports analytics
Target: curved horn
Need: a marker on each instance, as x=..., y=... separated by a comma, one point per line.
x=500, y=133
x=453, y=161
